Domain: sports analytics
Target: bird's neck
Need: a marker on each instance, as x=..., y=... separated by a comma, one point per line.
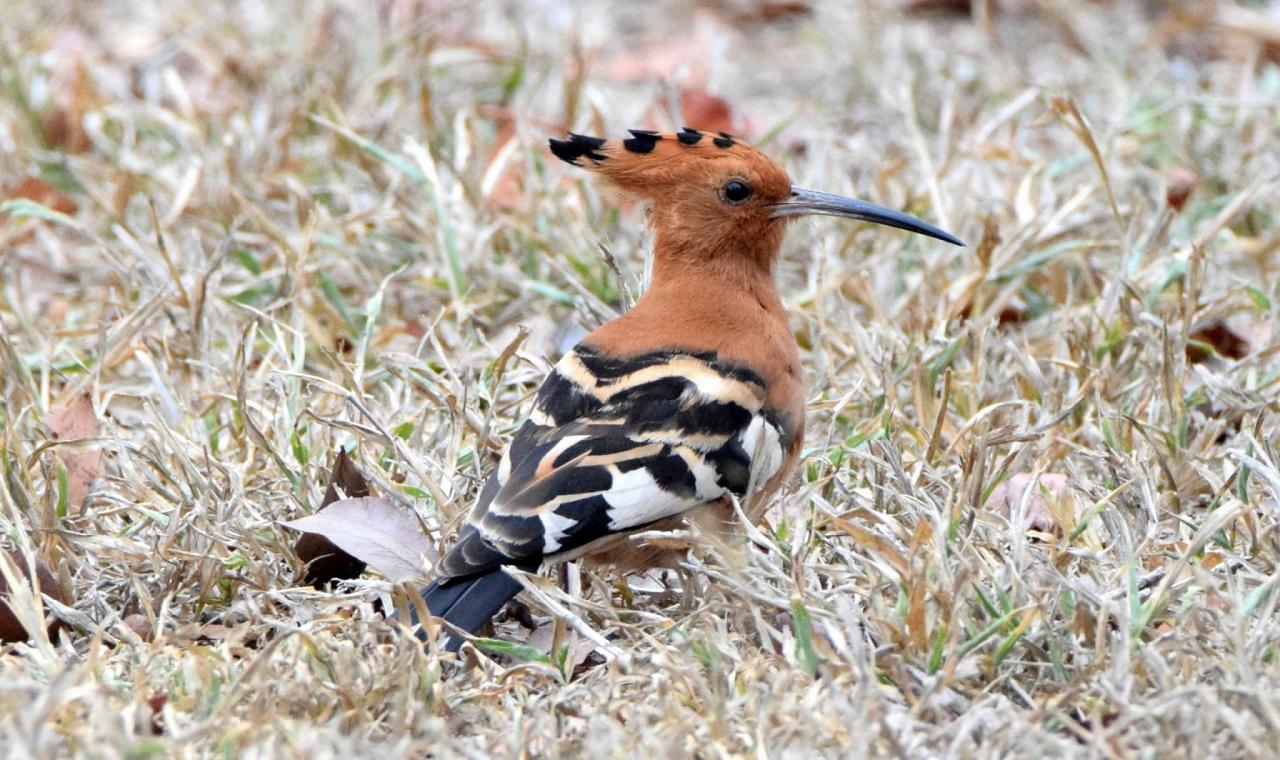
x=714, y=271
x=713, y=303
x=714, y=281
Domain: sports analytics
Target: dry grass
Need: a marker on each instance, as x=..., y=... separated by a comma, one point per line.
x=299, y=226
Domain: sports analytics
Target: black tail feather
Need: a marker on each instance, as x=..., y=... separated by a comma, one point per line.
x=469, y=602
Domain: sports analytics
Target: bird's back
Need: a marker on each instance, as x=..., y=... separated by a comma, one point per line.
x=626, y=436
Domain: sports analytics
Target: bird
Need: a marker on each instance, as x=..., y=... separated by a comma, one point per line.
x=689, y=399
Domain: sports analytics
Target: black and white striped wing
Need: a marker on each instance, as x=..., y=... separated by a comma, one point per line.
x=614, y=445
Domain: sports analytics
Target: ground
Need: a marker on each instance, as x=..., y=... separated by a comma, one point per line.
x=1038, y=504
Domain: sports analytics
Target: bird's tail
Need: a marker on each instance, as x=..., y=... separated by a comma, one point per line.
x=469, y=602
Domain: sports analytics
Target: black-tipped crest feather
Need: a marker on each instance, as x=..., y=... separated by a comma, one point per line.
x=643, y=141
x=689, y=136
x=576, y=147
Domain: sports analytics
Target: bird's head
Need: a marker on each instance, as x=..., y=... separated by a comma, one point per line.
x=715, y=197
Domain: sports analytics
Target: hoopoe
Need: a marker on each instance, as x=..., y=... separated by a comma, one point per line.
x=693, y=395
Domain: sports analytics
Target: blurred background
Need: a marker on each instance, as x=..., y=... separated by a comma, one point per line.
x=1039, y=500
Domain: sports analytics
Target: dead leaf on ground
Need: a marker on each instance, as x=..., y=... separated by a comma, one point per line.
x=323, y=562
x=1049, y=506
x=43, y=192
x=1216, y=338
x=579, y=648
x=1179, y=182
x=759, y=12
x=155, y=708
x=962, y=7
x=376, y=531
x=969, y=7
x=213, y=633
x=76, y=421
x=73, y=53
x=778, y=11
x=11, y=629
x=519, y=612
x=140, y=625
x=39, y=191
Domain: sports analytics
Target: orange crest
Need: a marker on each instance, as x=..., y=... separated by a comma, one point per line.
x=654, y=164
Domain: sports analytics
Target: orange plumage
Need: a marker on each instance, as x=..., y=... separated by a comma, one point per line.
x=691, y=397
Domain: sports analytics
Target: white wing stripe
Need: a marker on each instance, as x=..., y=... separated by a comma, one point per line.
x=636, y=499
x=763, y=444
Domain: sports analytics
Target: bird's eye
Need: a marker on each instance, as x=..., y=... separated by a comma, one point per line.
x=736, y=191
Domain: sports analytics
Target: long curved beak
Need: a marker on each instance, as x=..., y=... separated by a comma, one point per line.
x=803, y=202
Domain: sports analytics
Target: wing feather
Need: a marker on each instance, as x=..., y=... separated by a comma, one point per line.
x=616, y=444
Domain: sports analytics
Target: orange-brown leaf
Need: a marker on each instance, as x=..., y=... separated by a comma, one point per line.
x=42, y=192
x=1179, y=182
x=77, y=421
x=1221, y=338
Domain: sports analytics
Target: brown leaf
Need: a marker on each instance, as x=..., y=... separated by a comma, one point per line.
x=1179, y=182
x=42, y=192
x=918, y=582
x=75, y=422
x=1219, y=337
x=375, y=531
x=155, y=704
x=345, y=480
x=140, y=625
x=962, y=7
x=968, y=7
x=61, y=127
x=323, y=562
x=872, y=541
x=11, y=629
x=72, y=92
x=778, y=11
x=1207, y=31
x=212, y=633
x=227, y=629
x=1013, y=314
x=761, y=11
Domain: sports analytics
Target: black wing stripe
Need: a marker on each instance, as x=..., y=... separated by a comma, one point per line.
x=596, y=450
x=522, y=444
x=733, y=465
x=561, y=482
x=562, y=400
x=607, y=368
x=673, y=403
x=616, y=444
x=675, y=398
x=671, y=473
x=589, y=521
